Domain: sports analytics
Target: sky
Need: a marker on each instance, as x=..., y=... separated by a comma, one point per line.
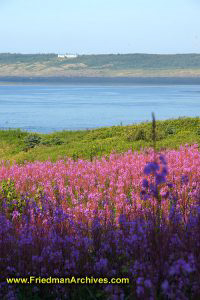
x=100, y=26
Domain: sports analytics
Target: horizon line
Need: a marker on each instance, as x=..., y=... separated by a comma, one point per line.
x=110, y=53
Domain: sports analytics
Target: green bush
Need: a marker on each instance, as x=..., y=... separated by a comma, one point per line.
x=31, y=141
x=144, y=134
x=52, y=141
x=170, y=130
x=141, y=134
x=136, y=134
x=160, y=135
x=56, y=141
x=198, y=131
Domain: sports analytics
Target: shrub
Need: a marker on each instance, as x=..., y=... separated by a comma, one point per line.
x=198, y=131
x=31, y=141
x=144, y=134
x=56, y=141
x=136, y=134
x=140, y=135
x=170, y=130
x=52, y=141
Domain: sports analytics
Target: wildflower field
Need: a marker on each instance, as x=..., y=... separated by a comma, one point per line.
x=134, y=215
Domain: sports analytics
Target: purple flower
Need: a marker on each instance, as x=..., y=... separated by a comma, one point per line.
x=160, y=179
x=164, y=171
x=139, y=290
x=151, y=167
x=184, y=179
x=15, y=214
x=165, y=286
x=180, y=265
x=162, y=159
x=101, y=265
x=154, y=190
x=148, y=283
x=170, y=185
x=145, y=183
x=122, y=219
x=140, y=280
x=144, y=195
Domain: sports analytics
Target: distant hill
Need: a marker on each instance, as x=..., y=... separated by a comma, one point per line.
x=109, y=65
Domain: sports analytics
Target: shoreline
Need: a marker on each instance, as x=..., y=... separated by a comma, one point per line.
x=10, y=80
x=98, y=128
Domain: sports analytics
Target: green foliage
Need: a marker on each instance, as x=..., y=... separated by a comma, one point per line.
x=52, y=141
x=31, y=141
x=101, y=133
x=8, y=189
x=9, y=194
x=111, y=61
x=137, y=61
x=14, y=134
x=170, y=130
x=198, y=131
x=89, y=144
x=143, y=134
x=75, y=156
x=8, y=58
x=140, y=135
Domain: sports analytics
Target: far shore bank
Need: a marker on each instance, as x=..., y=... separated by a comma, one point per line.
x=100, y=80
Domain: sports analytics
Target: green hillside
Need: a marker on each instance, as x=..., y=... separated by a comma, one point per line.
x=139, y=61
x=100, y=65
x=20, y=146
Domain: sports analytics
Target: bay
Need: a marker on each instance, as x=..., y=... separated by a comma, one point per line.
x=47, y=108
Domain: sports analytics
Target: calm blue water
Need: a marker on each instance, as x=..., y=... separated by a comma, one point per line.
x=47, y=108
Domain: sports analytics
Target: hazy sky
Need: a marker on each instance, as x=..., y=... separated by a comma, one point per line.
x=100, y=26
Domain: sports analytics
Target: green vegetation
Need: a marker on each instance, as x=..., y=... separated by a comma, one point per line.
x=113, y=61
x=140, y=61
x=19, y=146
x=8, y=58
x=100, y=65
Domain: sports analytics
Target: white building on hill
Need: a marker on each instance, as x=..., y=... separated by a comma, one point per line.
x=67, y=55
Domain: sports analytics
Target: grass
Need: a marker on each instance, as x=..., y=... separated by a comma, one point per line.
x=88, y=144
